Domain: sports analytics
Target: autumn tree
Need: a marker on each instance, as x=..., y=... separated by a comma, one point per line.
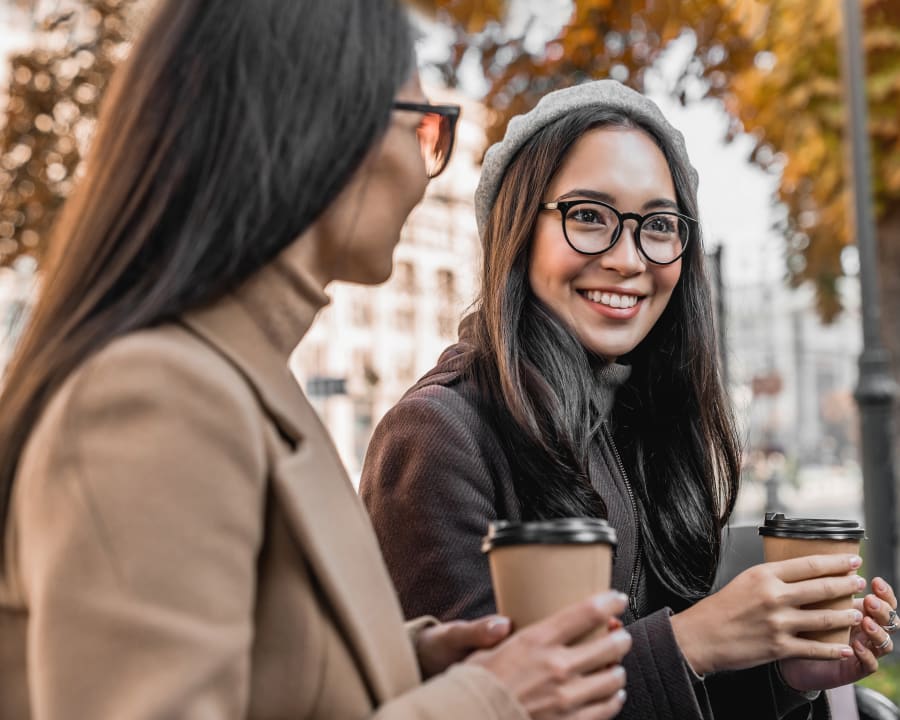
x=51, y=105
x=775, y=65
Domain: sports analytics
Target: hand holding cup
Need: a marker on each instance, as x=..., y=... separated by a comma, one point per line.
x=760, y=616
x=554, y=672
x=552, y=579
x=798, y=604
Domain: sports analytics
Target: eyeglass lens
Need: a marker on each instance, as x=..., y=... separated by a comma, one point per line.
x=593, y=228
x=435, y=138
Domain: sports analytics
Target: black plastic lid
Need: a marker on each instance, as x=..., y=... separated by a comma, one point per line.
x=565, y=531
x=777, y=525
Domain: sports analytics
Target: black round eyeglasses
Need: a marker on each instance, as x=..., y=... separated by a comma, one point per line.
x=592, y=227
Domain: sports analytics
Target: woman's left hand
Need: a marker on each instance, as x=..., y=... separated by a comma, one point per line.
x=440, y=646
x=869, y=641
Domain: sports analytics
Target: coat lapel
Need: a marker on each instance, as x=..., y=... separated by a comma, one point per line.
x=323, y=510
x=340, y=544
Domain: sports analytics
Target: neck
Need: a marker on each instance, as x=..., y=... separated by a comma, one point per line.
x=285, y=296
x=306, y=255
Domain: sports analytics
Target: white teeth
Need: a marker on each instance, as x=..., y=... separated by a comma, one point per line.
x=611, y=299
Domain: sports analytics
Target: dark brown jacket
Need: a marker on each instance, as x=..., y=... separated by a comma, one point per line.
x=436, y=475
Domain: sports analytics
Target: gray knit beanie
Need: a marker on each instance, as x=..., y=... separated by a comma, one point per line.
x=600, y=93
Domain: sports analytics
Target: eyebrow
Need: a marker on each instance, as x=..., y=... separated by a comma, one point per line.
x=610, y=200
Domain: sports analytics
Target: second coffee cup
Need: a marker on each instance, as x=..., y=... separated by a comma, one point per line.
x=538, y=568
x=785, y=538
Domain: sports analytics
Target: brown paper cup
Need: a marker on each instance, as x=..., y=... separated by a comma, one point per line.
x=540, y=568
x=788, y=538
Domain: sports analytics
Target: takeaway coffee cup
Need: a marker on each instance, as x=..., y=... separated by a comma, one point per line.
x=785, y=538
x=538, y=568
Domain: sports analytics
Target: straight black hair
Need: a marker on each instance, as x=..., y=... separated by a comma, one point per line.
x=223, y=137
x=671, y=421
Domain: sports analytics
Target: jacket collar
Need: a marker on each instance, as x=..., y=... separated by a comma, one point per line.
x=257, y=327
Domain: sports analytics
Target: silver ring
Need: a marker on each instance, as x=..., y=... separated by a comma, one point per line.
x=892, y=625
x=887, y=641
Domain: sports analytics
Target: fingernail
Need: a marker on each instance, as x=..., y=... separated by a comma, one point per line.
x=879, y=584
x=619, y=672
x=498, y=624
x=621, y=636
x=621, y=695
x=860, y=582
x=601, y=601
x=847, y=652
x=855, y=561
x=870, y=625
x=857, y=617
x=874, y=603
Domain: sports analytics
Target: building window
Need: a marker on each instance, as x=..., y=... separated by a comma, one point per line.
x=364, y=367
x=406, y=320
x=362, y=313
x=406, y=277
x=446, y=286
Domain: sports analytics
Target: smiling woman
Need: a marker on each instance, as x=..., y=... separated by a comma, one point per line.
x=586, y=383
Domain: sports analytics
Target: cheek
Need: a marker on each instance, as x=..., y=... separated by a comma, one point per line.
x=399, y=177
x=551, y=264
x=666, y=279
x=407, y=169
x=670, y=276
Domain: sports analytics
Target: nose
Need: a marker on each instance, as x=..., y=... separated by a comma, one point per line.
x=624, y=257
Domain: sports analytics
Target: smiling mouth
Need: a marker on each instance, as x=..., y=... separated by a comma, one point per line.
x=613, y=300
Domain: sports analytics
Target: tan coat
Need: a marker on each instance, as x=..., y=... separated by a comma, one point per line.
x=184, y=542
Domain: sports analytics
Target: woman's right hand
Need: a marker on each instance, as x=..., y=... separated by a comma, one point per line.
x=756, y=617
x=551, y=677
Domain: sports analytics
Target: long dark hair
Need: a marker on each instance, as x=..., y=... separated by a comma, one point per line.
x=671, y=421
x=227, y=132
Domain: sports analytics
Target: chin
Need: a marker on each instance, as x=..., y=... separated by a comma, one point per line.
x=609, y=352
x=381, y=278
x=372, y=274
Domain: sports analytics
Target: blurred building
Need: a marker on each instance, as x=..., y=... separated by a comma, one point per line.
x=17, y=290
x=371, y=344
x=793, y=376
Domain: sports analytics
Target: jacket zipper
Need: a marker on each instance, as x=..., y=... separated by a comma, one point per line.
x=632, y=586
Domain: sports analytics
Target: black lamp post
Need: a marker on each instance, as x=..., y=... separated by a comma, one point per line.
x=876, y=390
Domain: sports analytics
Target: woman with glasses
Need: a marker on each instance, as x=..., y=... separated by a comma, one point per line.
x=587, y=383
x=178, y=538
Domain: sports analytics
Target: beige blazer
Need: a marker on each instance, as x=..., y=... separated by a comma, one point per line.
x=184, y=542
